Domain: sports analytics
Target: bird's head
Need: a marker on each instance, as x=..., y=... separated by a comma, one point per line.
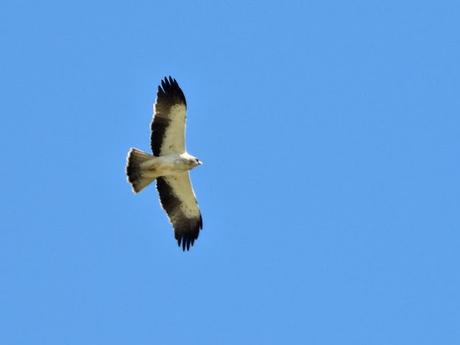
x=193, y=162
x=197, y=162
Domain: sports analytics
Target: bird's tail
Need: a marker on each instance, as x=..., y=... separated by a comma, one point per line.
x=139, y=169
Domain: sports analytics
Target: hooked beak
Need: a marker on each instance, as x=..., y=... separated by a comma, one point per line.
x=199, y=162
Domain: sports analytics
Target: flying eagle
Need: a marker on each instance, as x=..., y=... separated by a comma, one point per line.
x=169, y=164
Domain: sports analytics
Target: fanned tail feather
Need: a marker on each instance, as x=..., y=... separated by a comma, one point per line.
x=135, y=170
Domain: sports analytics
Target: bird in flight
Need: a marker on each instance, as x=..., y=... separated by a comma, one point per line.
x=170, y=164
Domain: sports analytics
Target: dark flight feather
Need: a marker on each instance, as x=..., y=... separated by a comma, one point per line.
x=186, y=227
x=169, y=94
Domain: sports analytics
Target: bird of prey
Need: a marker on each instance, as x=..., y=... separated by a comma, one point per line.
x=170, y=164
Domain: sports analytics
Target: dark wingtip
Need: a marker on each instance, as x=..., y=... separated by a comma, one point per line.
x=170, y=88
x=186, y=241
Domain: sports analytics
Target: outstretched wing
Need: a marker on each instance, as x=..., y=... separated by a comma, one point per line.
x=178, y=200
x=168, y=125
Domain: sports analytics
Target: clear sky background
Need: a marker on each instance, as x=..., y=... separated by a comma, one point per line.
x=330, y=136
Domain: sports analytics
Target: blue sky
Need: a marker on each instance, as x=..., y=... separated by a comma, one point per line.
x=330, y=136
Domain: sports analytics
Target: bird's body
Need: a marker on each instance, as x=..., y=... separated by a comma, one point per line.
x=169, y=164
